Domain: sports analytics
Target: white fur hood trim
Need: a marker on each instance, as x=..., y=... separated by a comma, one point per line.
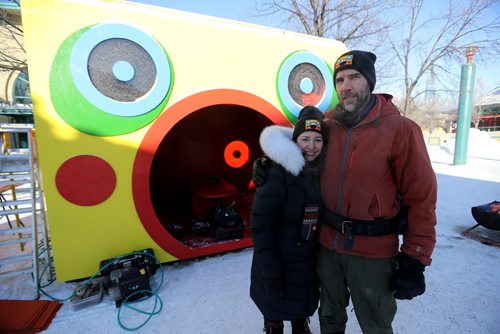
x=276, y=142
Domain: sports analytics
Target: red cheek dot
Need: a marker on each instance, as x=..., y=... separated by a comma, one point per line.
x=85, y=180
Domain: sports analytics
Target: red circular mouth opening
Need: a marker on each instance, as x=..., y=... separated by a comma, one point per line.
x=212, y=135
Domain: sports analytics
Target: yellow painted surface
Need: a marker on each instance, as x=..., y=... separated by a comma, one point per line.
x=206, y=53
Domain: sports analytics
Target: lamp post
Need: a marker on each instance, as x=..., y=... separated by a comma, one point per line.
x=465, y=105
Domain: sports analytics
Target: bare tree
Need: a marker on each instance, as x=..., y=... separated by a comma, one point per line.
x=12, y=53
x=347, y=21
x=422, y=40
x=437, y=41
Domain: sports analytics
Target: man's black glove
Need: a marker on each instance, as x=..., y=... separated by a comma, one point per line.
x=408, y=281
x=259, y=170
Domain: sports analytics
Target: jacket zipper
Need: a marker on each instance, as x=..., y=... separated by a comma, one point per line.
x=342, y=170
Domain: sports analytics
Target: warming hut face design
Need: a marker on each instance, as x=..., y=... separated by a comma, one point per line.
x=149, y=118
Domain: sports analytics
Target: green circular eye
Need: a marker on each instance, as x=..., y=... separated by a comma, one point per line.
x=110, y=79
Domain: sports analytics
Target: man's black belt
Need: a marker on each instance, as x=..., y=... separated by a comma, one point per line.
x=349, y=226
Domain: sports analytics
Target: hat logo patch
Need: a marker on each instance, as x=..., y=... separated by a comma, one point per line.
x=344, y=60
x=312, y=124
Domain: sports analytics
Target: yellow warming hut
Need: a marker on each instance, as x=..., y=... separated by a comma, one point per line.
x=147, y=118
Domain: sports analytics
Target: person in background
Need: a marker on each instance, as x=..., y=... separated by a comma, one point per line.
x=284, y=284
x=377, y=182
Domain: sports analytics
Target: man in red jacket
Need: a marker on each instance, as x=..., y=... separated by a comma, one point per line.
x=377, y=182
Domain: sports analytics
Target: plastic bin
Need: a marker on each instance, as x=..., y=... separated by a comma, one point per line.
x=90, y=295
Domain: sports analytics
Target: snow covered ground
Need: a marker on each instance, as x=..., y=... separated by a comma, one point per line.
x=211, y=295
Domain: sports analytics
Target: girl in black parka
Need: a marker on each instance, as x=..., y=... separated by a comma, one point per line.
x=284, y=285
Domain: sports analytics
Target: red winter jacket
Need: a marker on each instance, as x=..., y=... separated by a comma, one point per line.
x=370, y=171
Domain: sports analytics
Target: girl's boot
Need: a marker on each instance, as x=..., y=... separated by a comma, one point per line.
x=273, y=327
x=301, y=326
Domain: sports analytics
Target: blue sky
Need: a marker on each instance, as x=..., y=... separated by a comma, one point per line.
x=239, y=10
x=487, y=73
x=7, y=3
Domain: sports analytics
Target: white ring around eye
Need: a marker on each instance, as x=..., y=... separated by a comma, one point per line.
x=79, y=57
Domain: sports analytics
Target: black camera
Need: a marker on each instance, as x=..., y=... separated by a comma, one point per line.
x=129, y=274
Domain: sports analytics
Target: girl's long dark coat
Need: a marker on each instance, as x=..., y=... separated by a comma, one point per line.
x=284, y=285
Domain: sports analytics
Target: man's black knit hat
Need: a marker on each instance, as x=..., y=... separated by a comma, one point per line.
x=310, y=119
x=362, y=61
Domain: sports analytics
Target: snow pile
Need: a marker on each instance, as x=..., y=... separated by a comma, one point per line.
x=481, y=145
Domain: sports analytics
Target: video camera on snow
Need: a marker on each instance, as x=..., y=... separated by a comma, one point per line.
x=129, y=274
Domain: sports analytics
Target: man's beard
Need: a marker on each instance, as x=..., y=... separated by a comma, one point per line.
x=350, y=114
x=357, y=106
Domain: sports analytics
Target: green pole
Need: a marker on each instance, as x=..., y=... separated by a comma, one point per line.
x=464, y=116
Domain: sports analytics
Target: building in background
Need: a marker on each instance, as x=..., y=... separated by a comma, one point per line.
x=486, y=115
x=15, y=96
x=488, y=109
